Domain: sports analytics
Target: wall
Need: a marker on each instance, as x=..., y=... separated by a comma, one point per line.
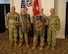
x=60, y=9
x=46, y=4
x=17, y=4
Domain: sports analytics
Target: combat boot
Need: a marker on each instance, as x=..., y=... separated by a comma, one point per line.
x=52, y=48
x=27, y=45
x=11, y=43
x=48, y=46
x=33, y=47
x=41, y=48
x=15, y=44
x=20, y=44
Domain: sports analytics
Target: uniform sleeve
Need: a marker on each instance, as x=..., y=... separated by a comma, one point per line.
x=46, y=20
x=17, y=19
x=6, y=19
x=58, y=23
x=31, y=17
x=20, y=20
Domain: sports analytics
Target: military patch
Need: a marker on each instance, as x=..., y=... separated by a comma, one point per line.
x=38, y=23
x=28, y=3
x=26, y=21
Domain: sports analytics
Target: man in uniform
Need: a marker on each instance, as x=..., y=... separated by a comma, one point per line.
x=25, y=26
x=37, y=30
x=11, y=24
x=53, y=29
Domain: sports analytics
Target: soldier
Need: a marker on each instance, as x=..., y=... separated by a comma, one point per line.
x=25, y=26
x=45, y=17
x=20, y=31
x=39, y=28
x=11, y=24
x=53, y=28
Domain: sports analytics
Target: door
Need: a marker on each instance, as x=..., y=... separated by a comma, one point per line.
x=4, y=8
x=66, y=19
x=2, y=22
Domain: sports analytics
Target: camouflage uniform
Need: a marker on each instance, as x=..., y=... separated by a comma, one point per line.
x=53, y=26
x=25, y=26
x=20, y=33
x=40, y=33
x=12, y=23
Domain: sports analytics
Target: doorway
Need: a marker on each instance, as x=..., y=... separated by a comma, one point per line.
x=4, y=8
x=66, y=30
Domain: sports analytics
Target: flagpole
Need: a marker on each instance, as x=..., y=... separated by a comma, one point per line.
x=12, y=2
x=32, y=6
x=40, y=3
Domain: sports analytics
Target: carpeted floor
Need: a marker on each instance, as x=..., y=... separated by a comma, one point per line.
x=61, y=48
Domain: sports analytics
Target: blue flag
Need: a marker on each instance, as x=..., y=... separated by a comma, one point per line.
x=23, y=4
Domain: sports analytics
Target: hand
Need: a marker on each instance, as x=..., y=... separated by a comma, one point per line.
x=16, y=22
x=57, y=32
x=6, y=27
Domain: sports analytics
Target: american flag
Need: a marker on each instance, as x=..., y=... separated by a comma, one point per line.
x=23, y=4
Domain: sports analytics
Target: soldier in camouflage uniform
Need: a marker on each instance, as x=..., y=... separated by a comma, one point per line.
x=39, y=28
x=25, y=26
x=20, y=31
x=53, y=28
x=11, y=24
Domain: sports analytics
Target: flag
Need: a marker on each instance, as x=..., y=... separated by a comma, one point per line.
x=23, y=4
x=36, y=8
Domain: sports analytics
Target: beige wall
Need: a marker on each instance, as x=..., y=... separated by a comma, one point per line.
x=46, y=4
x=17, y=4
x=60, y=8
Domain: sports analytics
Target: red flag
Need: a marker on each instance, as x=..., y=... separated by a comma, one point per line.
x=36, y=8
